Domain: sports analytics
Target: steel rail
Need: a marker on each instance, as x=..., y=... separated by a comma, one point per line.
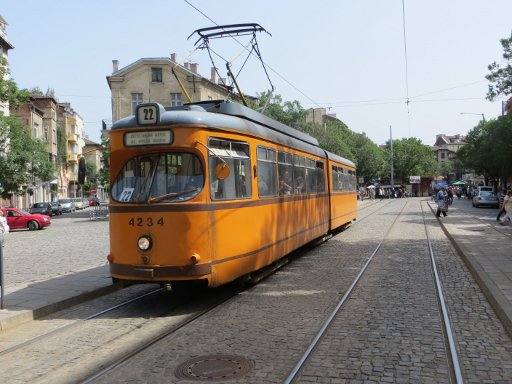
x=444, y=310
x=291, y=377
x=225, y=297
x=75, y=323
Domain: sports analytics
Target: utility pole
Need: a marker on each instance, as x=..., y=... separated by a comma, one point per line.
x=391, y=146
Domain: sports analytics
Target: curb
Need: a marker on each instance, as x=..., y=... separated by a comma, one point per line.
x=499, y=303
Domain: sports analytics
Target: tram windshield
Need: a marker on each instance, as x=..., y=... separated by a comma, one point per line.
x=160, y=177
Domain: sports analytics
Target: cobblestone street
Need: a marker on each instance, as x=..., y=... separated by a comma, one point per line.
x=71, y=243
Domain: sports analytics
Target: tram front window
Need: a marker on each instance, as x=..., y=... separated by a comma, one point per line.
x=162, y=177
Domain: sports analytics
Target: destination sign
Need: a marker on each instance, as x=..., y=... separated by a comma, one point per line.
x=133, y=139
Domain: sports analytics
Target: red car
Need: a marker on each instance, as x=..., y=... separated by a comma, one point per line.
x=20, y=219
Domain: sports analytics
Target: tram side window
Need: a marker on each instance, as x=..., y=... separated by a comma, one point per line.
x=267, y=185
x=236, y=155
x=299, y=174
x=285, y=173
x=310, y=176
x=335, y=177
x=352, y=181
x=320, y=185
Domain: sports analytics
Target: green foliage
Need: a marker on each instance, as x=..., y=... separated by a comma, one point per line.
x=26, y=158
x=412, y=158
x=104, y=175
x=61, y=148
x=9, y=91
x=488, y=149
x=500, y=77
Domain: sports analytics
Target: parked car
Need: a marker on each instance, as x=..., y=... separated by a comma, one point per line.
x=93, y=201
x=79, y=203
x=67, y=205
x=41, y=208
x=485, y=199
x=56, y=208
x=20, y=219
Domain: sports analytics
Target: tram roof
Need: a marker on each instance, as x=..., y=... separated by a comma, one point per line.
x=222, y=114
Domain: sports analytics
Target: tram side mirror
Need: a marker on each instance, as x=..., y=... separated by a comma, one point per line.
x=222, y=171
x=81, y=170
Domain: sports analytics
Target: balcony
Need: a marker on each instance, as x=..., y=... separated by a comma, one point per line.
x=72, y=157
x=72, y=137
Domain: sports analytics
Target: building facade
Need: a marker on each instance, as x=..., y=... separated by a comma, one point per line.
x=152, y=80
x=5, y=46
x=446, y=146
x=71, y=125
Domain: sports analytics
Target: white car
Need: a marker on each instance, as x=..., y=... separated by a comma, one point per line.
x=67, y=205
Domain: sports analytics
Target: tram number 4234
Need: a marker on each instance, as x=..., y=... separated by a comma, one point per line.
x=145, y=222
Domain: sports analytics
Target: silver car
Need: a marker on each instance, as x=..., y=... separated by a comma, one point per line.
x=485, y=199
x=67, y=205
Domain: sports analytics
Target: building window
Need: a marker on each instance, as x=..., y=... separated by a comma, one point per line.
x=36, y=131
x=136, y=100
x=176, y=100
x=156, y=75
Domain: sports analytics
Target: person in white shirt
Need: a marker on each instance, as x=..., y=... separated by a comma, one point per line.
x=4, y=227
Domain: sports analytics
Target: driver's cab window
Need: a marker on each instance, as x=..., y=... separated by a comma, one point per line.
x=159, y=177
x=235, y=155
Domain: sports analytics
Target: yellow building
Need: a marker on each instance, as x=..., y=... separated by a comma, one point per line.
x=152, y=80
x=71, y=125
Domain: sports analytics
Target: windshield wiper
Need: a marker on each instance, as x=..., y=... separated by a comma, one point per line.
x=172, y=194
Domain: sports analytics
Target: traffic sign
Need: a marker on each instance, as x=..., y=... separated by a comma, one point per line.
x=93, y=190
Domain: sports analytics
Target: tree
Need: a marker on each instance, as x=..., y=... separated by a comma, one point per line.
x=501, y=76
x=26, y=159
x=412, y=158
x=9, y=91
x=488, y=149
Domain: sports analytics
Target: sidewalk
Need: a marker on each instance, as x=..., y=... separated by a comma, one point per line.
x=486, y=248
x=22, y=304
x=484, y=245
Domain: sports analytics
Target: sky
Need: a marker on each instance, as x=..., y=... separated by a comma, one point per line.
x=361, y=59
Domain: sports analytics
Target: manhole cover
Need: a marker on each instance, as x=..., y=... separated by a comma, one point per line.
x=214, y=367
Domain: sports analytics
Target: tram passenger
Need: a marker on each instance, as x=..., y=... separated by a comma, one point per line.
x=262, y=186
x=299, y=185
x=285, y=183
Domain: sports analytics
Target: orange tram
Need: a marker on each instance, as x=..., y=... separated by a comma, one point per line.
x=210, y=192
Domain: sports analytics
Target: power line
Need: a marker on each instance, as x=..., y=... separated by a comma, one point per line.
x=406, y=68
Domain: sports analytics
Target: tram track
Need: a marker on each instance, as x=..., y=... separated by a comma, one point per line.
x=76, y=323
x=453, y=358
x=154, y=315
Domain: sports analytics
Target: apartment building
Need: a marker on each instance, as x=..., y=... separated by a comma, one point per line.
x=71, y=125
x=447, y=146
x=5, y=46
x=152, y=80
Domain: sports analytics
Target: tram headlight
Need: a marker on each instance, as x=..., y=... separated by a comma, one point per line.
x=144, y=243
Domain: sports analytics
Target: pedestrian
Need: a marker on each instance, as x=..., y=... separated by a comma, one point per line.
x=450, y=196
x=501, y=206
x=507, y=204
x=381, y=193
x=4, y=227
x=442, y=202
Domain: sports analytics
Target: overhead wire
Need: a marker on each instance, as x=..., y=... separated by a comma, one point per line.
x=264, y=63
x=407, y=101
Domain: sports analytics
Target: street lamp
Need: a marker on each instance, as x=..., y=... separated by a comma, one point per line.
x=471, y=113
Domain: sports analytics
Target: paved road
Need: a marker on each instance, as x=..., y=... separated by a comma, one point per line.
x=72, y=243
